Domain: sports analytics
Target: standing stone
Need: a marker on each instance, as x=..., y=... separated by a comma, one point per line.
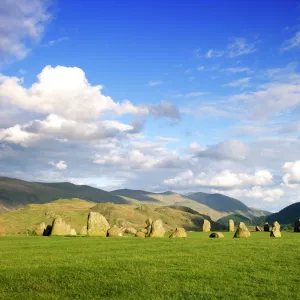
x=60, y=227
x=297, y=226
x=83, y=230
x=179, y=232
x=257, y=228
x=148, y=226
x=73, y=232
x=231, y=225
x=97, y=225
x=266, y=227
x=115, y=231
x=40, y=229
x=242, y=231
x=48, y=230
x=130, y=230
x=140, y=234
x=206, y=226
x=217, y=235
x=275, y=232
x=157, y=229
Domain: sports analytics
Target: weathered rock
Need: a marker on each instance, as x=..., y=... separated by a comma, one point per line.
x=48, y=230
x=275, y=232
x=60, y=227
x=115, y=231
x=130, y=230
x=148, y=226
x=266, y=227
x=40, y=229
x=242, y=231
x=231, y=225
x=206, y=226
x=297, y=226
x=73, y=232
x=179, y=232
x=83, y=230
x=143, y=230
x=157, y=229
x=217, y=235
x=257, y=228
x=140, y=234
x=97, y=225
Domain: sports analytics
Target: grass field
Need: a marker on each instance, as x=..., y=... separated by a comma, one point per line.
x=132, y=268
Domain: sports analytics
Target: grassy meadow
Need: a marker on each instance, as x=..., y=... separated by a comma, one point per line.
x=131, y=268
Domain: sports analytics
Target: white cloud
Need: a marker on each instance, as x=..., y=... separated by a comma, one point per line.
x=154, y=83
x=239, y=82
x=256, y=192
x=294, y=42
x=190, y=95
x=292, y=173
x=200, y=68
x=235, y=150
x=54, y=42
x=22, y=24
x=61, y=165
x=213, y=53
x=195, y=147
x=224, y=179
x=65, y=92
x=237, y=70
x=240, y=46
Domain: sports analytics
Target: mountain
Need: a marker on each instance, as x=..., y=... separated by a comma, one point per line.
x=75, y=212
x=226, y=204
x=18, y=193
x=286, y=216
x=15, y=193
x=236, y=218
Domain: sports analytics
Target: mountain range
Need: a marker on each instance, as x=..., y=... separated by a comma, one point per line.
x=15, y=193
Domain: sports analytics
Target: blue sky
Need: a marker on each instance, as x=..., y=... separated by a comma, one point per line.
x=195, y=95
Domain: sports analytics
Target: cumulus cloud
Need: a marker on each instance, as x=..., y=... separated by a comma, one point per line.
x=227, y=150
x=256, y=192
x=225, y=179
x=164, y=109
x=64, y=91
x=291, y=177
x=61, y=165
x=22, y=24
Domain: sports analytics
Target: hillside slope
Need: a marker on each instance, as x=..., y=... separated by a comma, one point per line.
x=287, y=216
x=75, y=212
x=16, y=193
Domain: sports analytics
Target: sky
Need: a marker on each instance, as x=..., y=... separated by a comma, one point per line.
x=155, y=95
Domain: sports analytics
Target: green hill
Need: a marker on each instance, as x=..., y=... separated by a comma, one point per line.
x=75, y=212
x=16, y=193
x=286, y=216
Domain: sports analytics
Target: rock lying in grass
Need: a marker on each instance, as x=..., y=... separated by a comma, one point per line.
x=297, y=226
x=157, y=229
x=206, y=226
x=179, y=232
x=148, y=226
x=231, y=225
x=140, y=234
x=97, y=225
x=275, y=232
x=257, y=228
x=73, y=232
x=242, y=231
x=115, y=231
x=217, y=235
x=130, y=230
x=83, y=230
x=266, y=227
x=60, y=227
x=40, y=229
x=48, y=230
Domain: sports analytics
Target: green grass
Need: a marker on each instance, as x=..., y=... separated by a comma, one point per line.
x=132, y=268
